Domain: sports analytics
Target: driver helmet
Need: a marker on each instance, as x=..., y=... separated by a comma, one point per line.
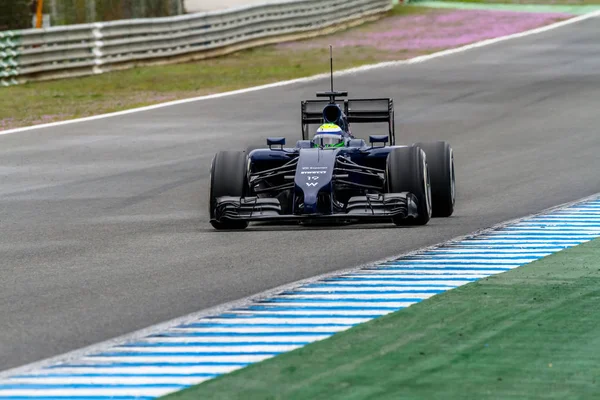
x=329, y=135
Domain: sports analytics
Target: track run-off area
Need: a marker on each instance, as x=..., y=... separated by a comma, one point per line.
x=105, y=226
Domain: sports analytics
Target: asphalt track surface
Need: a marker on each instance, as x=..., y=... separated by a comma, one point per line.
x=104, y=224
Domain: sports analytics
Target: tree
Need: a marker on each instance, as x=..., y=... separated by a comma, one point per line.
x=15, y=14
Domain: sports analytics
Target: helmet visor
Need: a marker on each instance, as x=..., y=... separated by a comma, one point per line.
x=328, y=141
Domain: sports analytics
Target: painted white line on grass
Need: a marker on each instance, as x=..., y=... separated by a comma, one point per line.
x=350, y=71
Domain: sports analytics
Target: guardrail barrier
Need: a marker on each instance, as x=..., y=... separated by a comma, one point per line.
x=85, y=49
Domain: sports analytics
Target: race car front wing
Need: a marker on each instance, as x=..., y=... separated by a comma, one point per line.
x=372, y=207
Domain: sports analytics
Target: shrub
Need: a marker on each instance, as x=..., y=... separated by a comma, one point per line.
x=15, y=14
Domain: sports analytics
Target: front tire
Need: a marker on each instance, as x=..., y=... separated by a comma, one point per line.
x=227, y=178
x=407, y=171
x=440, y=159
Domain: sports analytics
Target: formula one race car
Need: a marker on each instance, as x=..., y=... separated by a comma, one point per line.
x=334, y=177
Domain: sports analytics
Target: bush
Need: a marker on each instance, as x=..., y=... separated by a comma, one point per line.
x=84, y=11
x=15, y=14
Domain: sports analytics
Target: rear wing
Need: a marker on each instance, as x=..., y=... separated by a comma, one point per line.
x=357, y=110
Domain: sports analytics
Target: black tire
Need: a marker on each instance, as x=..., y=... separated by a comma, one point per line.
x=227, y=178
x=407, y=171
x=440, y=159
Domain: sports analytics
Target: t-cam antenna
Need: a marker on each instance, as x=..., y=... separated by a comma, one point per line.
x=331, y=65
x=331, y=94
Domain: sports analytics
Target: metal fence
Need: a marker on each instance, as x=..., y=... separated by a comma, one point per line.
x=77, y=50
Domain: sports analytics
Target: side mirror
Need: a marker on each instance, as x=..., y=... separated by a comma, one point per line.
x=276, y=141
x=378, y=139
x=304, y=144
x=357, y=143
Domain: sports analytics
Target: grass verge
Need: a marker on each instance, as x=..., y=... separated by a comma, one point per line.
x=531, y=333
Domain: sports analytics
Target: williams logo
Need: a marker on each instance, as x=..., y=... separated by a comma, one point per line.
x=313, y=184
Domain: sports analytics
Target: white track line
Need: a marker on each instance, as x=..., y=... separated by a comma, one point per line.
x=350, y=288
x=175, y=359
x=316, y=77
x=75, y=393
x=281, y=321
x=143, y=370
x=326, y=313
x=111, y=380
x=207, y=348
x=236, y=339
x=270, y=330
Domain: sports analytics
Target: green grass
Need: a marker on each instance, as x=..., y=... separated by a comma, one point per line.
x=40, y=102
x=531, y=333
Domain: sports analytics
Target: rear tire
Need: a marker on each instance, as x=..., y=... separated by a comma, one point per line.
x=227, y=178
x=407, y=172
x=440, y=159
